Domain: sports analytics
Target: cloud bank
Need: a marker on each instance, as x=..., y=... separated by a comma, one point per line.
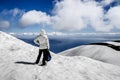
x=76, y=15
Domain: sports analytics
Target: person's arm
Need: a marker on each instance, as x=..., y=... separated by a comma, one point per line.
x=36, y=41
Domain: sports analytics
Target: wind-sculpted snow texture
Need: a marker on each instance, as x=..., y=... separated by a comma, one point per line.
x=17, y=58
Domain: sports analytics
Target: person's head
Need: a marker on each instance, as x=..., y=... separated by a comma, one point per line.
x=42, y=32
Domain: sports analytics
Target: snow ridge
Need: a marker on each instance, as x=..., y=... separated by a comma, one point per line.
x=13, y=50
x=97, y=52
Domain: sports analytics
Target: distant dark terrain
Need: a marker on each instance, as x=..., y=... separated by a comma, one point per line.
x=61, y=44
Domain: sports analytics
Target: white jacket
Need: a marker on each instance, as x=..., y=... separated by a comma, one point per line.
x=42, y=40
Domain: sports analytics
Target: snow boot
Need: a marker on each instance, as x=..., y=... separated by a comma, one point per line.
x=43, y=64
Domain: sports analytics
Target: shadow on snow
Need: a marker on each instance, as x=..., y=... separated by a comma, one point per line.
x=117, y=48
x=26, y=63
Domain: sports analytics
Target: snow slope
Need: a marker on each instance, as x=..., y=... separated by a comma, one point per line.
x=97, y=52
x=17, y=57
x=114, y=43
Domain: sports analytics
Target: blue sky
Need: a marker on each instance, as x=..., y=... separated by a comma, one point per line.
x=25, y=5
x=84, y=16
x=43, y=5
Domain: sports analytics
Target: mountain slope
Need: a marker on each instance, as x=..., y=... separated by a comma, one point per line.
x=97, y=52
x=16, y=58
x=12, y=48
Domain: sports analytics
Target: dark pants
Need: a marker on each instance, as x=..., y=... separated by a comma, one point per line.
x=46, y=53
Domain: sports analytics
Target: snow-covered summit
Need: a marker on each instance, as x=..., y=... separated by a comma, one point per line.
x=17, y=57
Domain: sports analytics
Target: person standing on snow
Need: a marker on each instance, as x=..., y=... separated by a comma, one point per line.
x=43, y=42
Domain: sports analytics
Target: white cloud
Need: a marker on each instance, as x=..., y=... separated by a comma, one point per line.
x=17, y=11
x=67, y=15
x=13, y=12
x=34, y=17
x=4, y=24
x=72, y=15
x=76, y=15
x=114, y=16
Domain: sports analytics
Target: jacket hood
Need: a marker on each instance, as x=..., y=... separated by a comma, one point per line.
x=43, y=32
